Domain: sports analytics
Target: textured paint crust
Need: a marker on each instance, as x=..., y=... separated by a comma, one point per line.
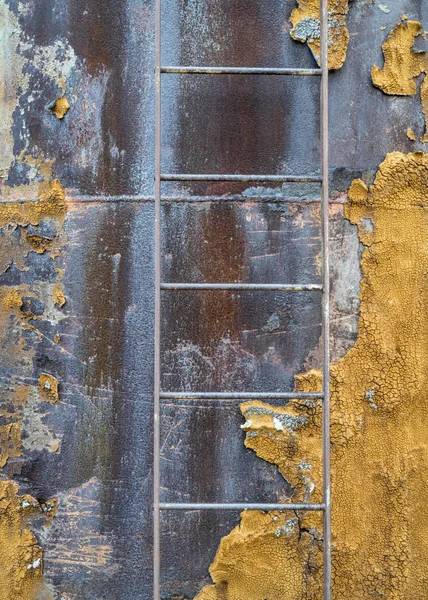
x=60, y=107
x=379, y=393
x=306, y=28
x=403, y=65
x=21, y=564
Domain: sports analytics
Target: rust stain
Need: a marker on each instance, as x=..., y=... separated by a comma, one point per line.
x=379, y=396
x=306, y=28
x=402, y=64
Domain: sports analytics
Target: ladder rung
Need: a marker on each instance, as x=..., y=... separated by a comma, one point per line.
x=279, y=287
x=238, y=506
x=239, y=71
x=241, y=178
x=243, y=395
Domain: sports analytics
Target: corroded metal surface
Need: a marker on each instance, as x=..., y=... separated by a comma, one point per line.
x=91, y=449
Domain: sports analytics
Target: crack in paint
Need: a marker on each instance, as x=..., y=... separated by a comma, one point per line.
x=402, y=64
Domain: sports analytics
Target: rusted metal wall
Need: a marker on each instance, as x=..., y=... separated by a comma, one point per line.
x=91, y=450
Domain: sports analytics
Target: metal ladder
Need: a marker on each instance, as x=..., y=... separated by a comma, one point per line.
x=324, y=288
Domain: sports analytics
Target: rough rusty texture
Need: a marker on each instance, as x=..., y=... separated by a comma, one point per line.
x=76, y=269
x=378, y=397
x=306, y=28
x=402, y=65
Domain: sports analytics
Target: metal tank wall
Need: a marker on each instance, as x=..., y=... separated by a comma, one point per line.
x=77, y=270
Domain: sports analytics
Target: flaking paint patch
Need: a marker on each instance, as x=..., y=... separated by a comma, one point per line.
x=21, y=563
x=27, y=227
x=379, y=455
x=60, y=107
x=48, y=388
x=402, y=64
x=19, y=57
x=58, y=295
x=306, y=28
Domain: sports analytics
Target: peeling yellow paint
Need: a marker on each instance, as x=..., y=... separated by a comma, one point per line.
x=402, y=65
x=12, y=299
x=21, y=562
x=60, y=107
x=265, y=557
x=48, y=388
x=379, y=418
x=271, y=433
x=20, y=404
x=411, y=134
x=306, y=28
x=51, y=203
x=58, y=295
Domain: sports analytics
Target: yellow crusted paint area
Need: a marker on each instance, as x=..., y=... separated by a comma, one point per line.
x=18, y=402
x=306, y=28
x=60, y=107
x=58, y=295
x=402, y=65
x=23, y=427
x=272, y=432
x=252, y=557
x=379, y=397
x=411, y=134
x=48, y=388
x=50, y=203
x=21, y=564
